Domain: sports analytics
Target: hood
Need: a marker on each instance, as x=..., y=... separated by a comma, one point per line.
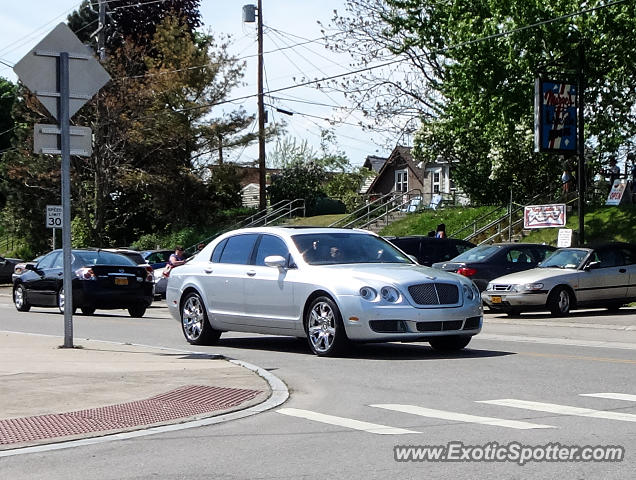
x=391, y=273
x=534, y=275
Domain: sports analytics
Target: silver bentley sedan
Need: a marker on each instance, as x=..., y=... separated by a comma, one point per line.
x=570, y=278
x=331, y=286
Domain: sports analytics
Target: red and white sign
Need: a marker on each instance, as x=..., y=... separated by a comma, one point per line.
x=544, y=216
x=616, y=193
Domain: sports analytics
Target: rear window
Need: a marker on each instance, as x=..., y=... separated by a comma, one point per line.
x=102, y=258
x=477, y=254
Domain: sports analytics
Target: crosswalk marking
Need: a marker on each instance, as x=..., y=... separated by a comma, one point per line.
x=613, y=396
x=461, y=417
x=345, y=422
x=561, y=409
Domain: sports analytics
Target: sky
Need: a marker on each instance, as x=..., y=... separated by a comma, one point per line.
x=287, y=23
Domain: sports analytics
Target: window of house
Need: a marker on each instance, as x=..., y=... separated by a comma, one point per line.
x=436, y=181
x=401, y=181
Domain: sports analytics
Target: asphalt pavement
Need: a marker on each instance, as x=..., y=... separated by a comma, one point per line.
x=53, y=394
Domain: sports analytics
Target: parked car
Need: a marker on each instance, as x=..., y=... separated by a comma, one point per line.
x=101, y=279
x=7, y=266
x=570, y=278
x=134, y=255
x=485, y=262
x=157, y=258
x=429, y=250
x=328, y=285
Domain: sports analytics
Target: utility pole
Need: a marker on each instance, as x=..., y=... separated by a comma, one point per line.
x=581, y=146
x=101, y=36
x=261, y=114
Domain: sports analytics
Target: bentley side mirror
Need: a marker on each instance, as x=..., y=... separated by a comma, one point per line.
x=275, y=261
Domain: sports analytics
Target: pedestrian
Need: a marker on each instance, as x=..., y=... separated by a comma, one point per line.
x=177, y=258
x=567, y=181
x=614, y=172
x=441, y=231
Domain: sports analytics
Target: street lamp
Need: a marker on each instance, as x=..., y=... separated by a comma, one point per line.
x=249, y=16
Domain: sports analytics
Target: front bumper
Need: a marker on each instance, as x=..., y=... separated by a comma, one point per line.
x=367, y=321
x=506, y=300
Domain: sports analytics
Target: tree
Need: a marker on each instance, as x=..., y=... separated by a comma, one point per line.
x=477, y=61
x=150, y=168
x=7, y=98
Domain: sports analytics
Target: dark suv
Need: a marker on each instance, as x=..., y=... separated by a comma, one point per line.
x=429, y=250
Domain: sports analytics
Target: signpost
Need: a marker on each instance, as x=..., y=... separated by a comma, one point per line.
x=53, y=219
x=62, y=72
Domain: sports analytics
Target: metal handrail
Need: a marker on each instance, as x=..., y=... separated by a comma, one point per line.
x=354, y=218
x=263, y=217
x=510, y=227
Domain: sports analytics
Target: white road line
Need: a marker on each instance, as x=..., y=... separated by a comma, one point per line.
x=461, y=417
x=614, y=396
x=344, y=422
x=561, y=409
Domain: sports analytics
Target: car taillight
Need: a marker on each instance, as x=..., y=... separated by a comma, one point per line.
x=466, y=272
x=149, y=274
x=86, y=274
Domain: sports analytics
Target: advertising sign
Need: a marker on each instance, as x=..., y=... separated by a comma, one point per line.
x=617, y=194
x=555, y=116
x=544, y=216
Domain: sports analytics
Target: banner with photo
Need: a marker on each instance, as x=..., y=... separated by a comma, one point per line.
x=555, y=116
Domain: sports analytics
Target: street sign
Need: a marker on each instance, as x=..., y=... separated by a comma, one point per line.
x=47, y=140
x=64, y=75
x=37, y=70
x=54, y=216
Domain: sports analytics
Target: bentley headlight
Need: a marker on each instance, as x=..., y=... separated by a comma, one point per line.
x=368, y=293
x=469, y=293
x=390, y=294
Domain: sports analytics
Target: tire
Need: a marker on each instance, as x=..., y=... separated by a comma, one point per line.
x=325, y=331
x=194, y=322
x=137, y=311
x=20, y=299
x=60, y=301
x=450, y=343
x=560, y=301
x=87, y=310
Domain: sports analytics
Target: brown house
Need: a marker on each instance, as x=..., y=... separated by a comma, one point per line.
x=400, y=173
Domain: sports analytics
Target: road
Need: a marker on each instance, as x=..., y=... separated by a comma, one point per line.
x=533, y=381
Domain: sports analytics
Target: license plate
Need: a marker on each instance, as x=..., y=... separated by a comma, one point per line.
x=121, y=281
x=495, y=299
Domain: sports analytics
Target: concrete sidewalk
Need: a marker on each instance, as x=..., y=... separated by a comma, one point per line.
x=51, y=394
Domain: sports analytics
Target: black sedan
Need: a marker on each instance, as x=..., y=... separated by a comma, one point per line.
x=485, y=262
x=101, y=279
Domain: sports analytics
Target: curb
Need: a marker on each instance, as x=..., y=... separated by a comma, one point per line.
x=280, y=394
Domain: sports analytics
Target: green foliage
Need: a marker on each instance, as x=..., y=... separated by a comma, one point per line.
x=301, y=180
x=455, y=218
x=80, y=233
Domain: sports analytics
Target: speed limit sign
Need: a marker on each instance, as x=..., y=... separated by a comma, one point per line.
x=54, y=216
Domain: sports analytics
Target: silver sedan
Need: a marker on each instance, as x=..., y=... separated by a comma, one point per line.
x=570, y=278
x=329, y=285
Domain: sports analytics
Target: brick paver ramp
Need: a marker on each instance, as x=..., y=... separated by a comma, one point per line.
x=183, y=402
